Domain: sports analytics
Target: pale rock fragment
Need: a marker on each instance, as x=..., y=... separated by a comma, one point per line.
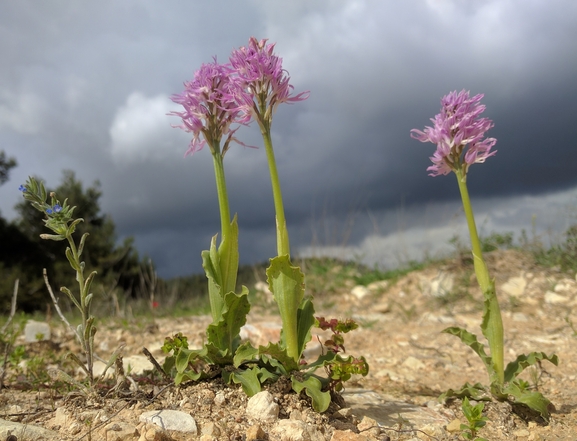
x=360, y=292
x=454, y=426
x=413, y=363
x=515, y=286
x=262, y=407
x=441, y=285
x=552, y=298
x=254, y=433
x=36, y=331
x=171, y=420
x=348, y=435
x=378, y=286
x=294, y=430
x=119, y=431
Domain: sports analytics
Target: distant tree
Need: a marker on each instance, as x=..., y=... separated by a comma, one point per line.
x=5, y=165
x=20, y=258
x=28, y=254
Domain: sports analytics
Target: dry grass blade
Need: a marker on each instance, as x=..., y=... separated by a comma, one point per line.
x=12, y=307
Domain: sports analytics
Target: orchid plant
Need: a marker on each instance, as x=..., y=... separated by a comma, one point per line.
x=250, y=88
x=211, y=114
x=262, y=86
x=458, y=131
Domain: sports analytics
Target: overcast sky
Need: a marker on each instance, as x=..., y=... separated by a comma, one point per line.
x=86, y=85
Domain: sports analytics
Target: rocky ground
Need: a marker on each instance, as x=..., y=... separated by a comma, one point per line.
x=411, y=364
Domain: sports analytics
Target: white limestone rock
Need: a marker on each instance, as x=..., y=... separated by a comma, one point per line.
x=171, y=420
x=262, y=407
x=36, y=331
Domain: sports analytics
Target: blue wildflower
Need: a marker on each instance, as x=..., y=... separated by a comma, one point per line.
x=49, y=210
x=22, y=189
x=57, y=208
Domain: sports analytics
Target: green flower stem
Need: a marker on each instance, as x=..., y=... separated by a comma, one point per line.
x=284, y=279
x=282, y=239
x=222, y=196
x=225, y=260
x=492, y=320
x=79, y=276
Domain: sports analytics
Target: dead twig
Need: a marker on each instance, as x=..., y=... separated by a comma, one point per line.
x=155, y=363
x=55, y=302
x=12, y=307
x=9, y=342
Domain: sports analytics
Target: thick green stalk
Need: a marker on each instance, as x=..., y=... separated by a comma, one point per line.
x=224, y=262
x=222, y=196
x=492, y=320
x=282, y=239
x=285, y=284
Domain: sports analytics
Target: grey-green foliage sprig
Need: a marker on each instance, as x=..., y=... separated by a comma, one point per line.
x=475, y=418
x=59, y=219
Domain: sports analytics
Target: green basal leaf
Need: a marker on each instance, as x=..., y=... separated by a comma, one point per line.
x=190, y=375
x=286, y=282
x=169, y=365
x=534, y=400
x=211, y=265
x=482, y=273
x=228, y=258
x=471, y=340
x=248, y=379
x=475, y=391
x=183, y=358
x=182, y=362
x=278, y=357
x=523, y=361
x=305, y=321
x=496, y=390
x=245, y=353
x=492, y=328
x=224, y=334
x=213, y=355
x=266, y=375
x=323, y=360
x=313, y=388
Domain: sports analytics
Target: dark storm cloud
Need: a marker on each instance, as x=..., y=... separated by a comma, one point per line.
x=86, y=86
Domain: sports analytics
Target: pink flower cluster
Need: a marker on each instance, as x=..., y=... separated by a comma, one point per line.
x=262, y=82
x=458, y=126
x=209, y=107
x=250, y=86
